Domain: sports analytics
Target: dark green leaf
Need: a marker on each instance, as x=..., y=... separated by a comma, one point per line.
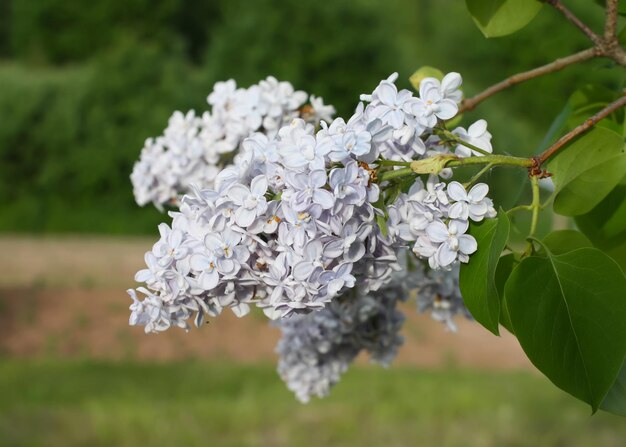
x=586, y=171
x=503, y=271
x=562, y=241
x=477, y=277
x=605, y=225
x=568, y=312
x=615, y=400
x=497, y=18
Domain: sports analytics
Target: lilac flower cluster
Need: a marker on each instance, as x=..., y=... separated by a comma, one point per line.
x=299, y=224
x=436, y=216
x=193, y=149
x=316, y=349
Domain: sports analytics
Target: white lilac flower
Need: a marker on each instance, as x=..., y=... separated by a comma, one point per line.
x=477, y=135
x=453, y=243
x=278, y=215
x=432, y=105
x=473, y=205
x=309, y=188
x=251, y=202
x=193, y=149
x=449, y=87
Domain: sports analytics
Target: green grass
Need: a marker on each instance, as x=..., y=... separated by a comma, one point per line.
x=104, y=404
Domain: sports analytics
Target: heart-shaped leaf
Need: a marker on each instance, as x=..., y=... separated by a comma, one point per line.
x=568, y=313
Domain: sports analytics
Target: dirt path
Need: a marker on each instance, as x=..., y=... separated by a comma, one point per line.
x=65, y=297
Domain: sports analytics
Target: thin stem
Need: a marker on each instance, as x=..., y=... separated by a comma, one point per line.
x=397, y=173
x=478, y=175
x=519, y=208
x=535, y=205
x=582, y=128
x=493, y=159
x=393, y=163
x=610, y=26
x=569, y=15
x=559, y=64
x=472, y=147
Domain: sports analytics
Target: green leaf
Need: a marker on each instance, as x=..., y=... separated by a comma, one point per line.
x=497, y=18
x=424, y=72
x=382, y=224
x=568, y=313
x=503, y=271
x=586, y=171
x=605, y=225
x=562, y=241
x=615, y=400
x=477, y=277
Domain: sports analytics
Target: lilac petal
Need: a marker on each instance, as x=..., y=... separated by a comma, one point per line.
x=478, y=192
x=477, y=129
x=334, y=249
x=355, y=252
x=456, y=191
x=460, y=225
x=395, y=118
x=241, y=310
x=386, y=92
x=200, y=262
x=323, y=198
x=317, y=178
x=430, y=92
x=238, y=193
x=231, y=237
x=458, y=210
x=258, y=186
x=227, y=266
x=335, y=285
x=313, y=249
x=478, y=210
x=451, y=82
x=303, y=270
x=467, y=244
x=344, y=269
x=437, y=231
x=164, y=230
x=447, y=109
x=445, y=255
x=208, y=280
x=213, y=242
x=244, y=217
x=143, y=275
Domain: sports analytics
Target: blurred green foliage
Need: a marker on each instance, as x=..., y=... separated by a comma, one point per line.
x=82, y=86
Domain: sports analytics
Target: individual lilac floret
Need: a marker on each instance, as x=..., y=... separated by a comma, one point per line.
x=473, y=205
x=477, y=135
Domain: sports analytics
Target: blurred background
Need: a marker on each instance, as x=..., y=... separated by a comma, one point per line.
x=83, y=84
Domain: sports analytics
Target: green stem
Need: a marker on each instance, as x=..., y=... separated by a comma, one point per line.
x=450, y=136
x=536, y=204
x=492, y=159
x=392, y=163
x=478, y=175
x=397, y=173
x=520, y=208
